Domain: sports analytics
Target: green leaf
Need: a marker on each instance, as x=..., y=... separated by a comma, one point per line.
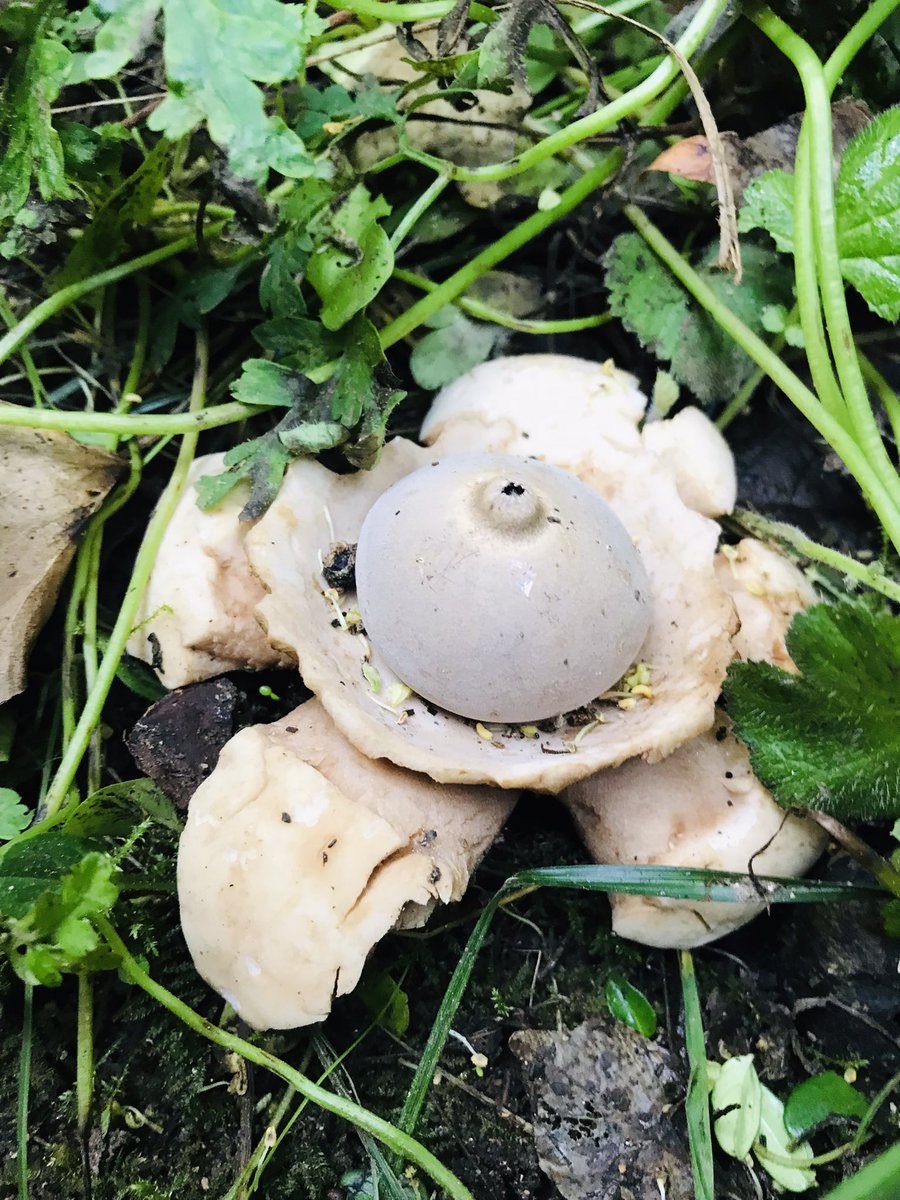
x=14, y=816
x=446, y=353
x=665, y=319
x=878, y=1180
x=814, y=1100
x=125, y=29
x=115, y=810
x=33, y=149
x=774, y=1144
x=216, y=53
x=30, y=868
x=267, y=384
x=867, y=204
x=55, y=935
x=139, y=678
x=737, y=1098
x=126, y=207
x=827, y=737
x=353, y=258
x=263, y=461
x=629, y=1005
x=867, y=200
x=769, y=205
x=385, y=999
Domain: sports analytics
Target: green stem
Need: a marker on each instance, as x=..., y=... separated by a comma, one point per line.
x=807, y=286
x=420, y=206
x=127, y=424
x=514, y=239
x=831, y=283
x=782, y=376
x=133, y=378
x=885, y=393
x=84, y=1066
x=93, y=706
x=744, y=394
x=392, y=1137
x=31, y=372
x=54, y=304
x=24, y=1088
x=699, y=1131
x=385, y=10
x=485, y=312
x=870, y=576
x=875, y=14
x=594, y=123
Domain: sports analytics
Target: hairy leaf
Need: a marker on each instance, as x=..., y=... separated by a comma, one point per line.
x=827, y=737
x=867, y=199
x=769, y=204
x=448, y=352
x=666, y=320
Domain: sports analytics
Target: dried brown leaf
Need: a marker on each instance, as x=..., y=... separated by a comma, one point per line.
x=51, y=485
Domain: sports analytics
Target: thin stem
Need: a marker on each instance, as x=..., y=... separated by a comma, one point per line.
x=775, y=531
x=84, y=1062
x=699, y=1131
x=388, y=1134
x=879, y=868
x=594, y=123
x=54, y=304
x=831, y=283
x=514, y=239
x=874, y=15
x=23, y=1091
x=781, y=375
x=133, y=378
x=885, y=393
x=121, y=631
x=32, y=374
x=129, y=424
x=744, y=394
x=416, y=210
x=486, y=312
x=807, y=286
x=870, y=576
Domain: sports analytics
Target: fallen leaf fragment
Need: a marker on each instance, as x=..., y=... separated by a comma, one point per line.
x=51, y=485
x=748, y=158
x=602, y=1097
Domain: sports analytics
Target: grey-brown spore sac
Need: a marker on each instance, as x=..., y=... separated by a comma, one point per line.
x=339, y=567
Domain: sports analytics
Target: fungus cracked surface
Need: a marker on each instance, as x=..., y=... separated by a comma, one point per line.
x=595, y=436
x=299, y=855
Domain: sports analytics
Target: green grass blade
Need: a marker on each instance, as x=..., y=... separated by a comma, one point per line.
x=689, y=883
x=459, y=981
x=880, y=1180
x=697, y=1105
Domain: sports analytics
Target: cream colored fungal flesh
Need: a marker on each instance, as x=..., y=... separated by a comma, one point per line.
x=197, y=618
x=701, y=807
x=299, y=855
x=591, y=430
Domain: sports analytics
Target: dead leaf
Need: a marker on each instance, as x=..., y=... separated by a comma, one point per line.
x=51, y=485
x=603, y=1099
x=773, y=148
